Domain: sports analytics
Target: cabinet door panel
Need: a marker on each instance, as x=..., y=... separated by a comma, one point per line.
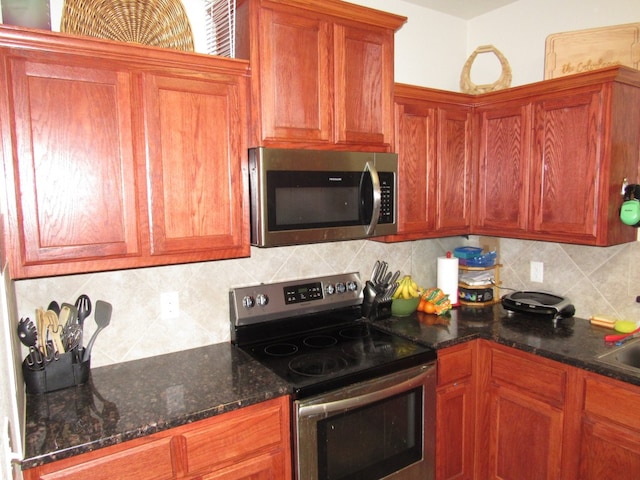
x=456, y=405
x=454, y=171
x=503, y=170
x=565, y=174
x=454, y=432
x=295, y=72
x=416, y=165
x=74, y=160
x=196, y=198
x=609, y=452
x=523, y=428
x=364, y=85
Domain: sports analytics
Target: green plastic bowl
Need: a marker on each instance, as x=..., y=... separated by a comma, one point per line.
x=401, y=307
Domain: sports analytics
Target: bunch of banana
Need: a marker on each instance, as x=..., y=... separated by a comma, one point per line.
x=407, y=289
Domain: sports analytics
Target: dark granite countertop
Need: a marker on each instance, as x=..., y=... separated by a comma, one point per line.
x=129, y=400
x=573, y=341
x=132, y=399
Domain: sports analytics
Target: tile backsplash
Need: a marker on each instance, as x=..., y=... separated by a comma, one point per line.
x=596, y=279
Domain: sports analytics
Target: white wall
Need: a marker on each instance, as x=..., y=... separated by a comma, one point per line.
x=519, y=30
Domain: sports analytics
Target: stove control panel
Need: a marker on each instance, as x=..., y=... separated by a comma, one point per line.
x=274, y=301
x=303, y=293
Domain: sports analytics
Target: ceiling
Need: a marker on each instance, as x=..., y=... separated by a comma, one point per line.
x=465, y=9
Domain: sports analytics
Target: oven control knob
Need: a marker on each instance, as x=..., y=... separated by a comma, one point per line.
x=351, y=286
x=248, y=301
x=330, y=289
x=262, y=299
x=340, y=287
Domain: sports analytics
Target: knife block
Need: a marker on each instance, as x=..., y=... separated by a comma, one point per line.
x=64, y=372
x=377, y=310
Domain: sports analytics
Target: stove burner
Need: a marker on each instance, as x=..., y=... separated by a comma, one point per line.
x=356, y=331
x=280, y=349
x=317, y=364
x=320, y=341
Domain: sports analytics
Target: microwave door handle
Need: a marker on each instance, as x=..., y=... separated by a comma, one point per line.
x=375, y=214
x=365, y=399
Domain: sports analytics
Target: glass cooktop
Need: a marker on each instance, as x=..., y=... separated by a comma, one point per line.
x=328, y=358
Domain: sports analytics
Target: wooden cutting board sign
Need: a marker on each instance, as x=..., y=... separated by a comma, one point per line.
x=580, y=51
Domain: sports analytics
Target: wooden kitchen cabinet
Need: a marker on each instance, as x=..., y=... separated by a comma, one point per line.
x=610, y=439
x=433, y=140
x=508, y=414
x=455, y=412
x=503, y=186
x=526, y=415
x=195, y=144
x=322, y=73
x=553, y=157
x=248, y=443
x=119, y=156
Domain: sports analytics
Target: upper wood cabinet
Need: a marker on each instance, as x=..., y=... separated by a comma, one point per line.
x=69, y=138
x=322, y=73
x=119, y=156
x=433, y=140
x=503, y=187
x=553, y=156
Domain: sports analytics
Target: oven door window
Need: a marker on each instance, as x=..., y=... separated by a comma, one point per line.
x=372, y=441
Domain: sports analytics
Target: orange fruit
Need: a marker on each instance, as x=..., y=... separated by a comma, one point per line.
x=429, y=308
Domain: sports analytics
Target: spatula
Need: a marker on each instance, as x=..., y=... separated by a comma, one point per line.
x=102, y=316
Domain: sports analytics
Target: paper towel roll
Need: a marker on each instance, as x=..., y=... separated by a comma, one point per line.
x=448, y=277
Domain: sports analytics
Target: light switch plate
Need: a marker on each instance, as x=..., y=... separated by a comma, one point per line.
x=537, y=272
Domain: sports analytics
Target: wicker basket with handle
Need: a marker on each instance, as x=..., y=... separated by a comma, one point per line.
x=161, y=23
x=467, y=86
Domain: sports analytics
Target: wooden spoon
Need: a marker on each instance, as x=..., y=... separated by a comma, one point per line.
x=55, y=329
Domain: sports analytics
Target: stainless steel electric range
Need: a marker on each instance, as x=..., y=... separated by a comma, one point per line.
x=364, y=399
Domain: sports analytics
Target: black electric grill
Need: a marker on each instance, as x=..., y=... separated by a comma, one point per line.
x=546, y=305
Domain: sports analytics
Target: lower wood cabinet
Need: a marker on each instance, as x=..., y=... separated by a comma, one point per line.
x=610, y=441
x=249, y=443
x=524, y=414
x=503, y=413
x=455, y=412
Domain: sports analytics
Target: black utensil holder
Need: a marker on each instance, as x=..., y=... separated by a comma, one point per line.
x=67, y=371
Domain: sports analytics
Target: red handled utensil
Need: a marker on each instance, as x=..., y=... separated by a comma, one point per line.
x=620, y=336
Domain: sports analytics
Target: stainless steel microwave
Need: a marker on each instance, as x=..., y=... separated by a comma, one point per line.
x=310, y=196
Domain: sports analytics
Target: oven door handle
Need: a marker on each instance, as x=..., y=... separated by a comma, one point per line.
x=377, y=198
x=367, y=398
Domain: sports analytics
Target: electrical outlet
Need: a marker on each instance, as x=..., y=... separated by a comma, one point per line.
x=169, y=305
x=537, y=271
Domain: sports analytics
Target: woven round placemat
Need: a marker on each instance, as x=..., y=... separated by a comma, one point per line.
x=161, y=23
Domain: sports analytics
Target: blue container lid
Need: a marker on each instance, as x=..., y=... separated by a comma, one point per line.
x=467, y=252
